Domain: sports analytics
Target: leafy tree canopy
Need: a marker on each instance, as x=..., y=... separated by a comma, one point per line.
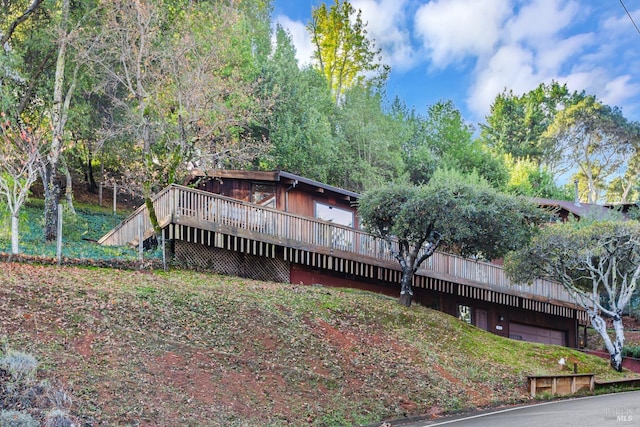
x=528, y=179
x=597, y=261
x=457, y=213
x=597, y=140
x=368, y=140
x=343, y=53
x=444, y=139
x=516, y=123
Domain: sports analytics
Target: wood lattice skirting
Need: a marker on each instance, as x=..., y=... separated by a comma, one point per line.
x=231, y=263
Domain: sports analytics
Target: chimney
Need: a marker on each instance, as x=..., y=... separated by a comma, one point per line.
x=577, y=196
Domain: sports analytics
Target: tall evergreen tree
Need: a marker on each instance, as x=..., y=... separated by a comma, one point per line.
x=300, y=126
x=368, y=140
x=516, y=124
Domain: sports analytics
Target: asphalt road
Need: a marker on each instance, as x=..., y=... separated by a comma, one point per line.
x=619, y=410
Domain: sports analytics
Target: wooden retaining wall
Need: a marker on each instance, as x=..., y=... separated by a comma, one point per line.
x=560, y=385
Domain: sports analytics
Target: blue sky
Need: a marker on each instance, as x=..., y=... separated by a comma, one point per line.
x=471, y=50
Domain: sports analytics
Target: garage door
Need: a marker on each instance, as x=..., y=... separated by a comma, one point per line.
x=530, y=333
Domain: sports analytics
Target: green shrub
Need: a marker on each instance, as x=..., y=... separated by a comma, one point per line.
x=631, y=351
x=74, y=225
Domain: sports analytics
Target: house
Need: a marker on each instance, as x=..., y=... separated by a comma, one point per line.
x=623, y=208
x=283, y=227
x=282, y=191
x=565, y=209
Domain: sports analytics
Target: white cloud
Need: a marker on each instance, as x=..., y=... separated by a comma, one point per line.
x=452, y=30
x=619, y=90
x=498, y=44
x=511, y=68
x=621, y=24
x=553, y=56
x=386, y=26
x=538, y=44
x=541, y=20
x=584, y=80
x=605, y=68
x=300, y=37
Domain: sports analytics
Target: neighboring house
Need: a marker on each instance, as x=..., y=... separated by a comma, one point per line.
x=283, y=227
x=565, y=209
x=624, y=208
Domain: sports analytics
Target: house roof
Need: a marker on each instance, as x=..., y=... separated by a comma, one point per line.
x=275, y=176
x=577, y=209
x=622, y=207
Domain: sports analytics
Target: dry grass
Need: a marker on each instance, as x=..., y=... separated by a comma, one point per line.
x=185, y=348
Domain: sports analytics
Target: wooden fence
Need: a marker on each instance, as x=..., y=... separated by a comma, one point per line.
x=176, y=203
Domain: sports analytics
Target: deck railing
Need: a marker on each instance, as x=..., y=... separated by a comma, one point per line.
x=176, y=202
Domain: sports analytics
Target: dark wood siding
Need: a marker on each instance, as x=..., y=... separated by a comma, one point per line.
x=303, y=202
x=300, y=202
x=238, y=189
x=294, y=194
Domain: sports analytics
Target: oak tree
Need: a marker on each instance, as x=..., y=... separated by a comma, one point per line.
x=452, y=212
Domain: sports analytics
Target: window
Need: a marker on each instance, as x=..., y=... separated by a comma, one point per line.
x=334, y=214
x=335, y=237
x=264, y=195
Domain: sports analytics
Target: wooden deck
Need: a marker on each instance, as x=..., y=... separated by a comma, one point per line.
x=203, y=217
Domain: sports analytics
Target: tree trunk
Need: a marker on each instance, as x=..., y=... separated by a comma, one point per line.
x=153, y=218
x=15, y=221
x=406, y=293
x=92, y=186
x=618, y=344
x=616, y=361
x=68, y=191
x=51, y=199
x=58, y=120
x=613, y=347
